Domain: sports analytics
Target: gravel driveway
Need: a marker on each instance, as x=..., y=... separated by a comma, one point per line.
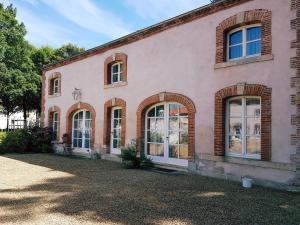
x=47, y=189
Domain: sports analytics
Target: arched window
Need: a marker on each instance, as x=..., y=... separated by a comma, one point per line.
x=244, y=42
x=243, y=127
x=82, y=128
x=166, y=133
x=116, y=72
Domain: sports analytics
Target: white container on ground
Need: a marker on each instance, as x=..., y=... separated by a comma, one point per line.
x=247, y=182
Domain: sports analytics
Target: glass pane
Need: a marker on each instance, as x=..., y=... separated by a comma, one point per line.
x=87, y=115
x=121, y=76
x=253, y=145
x=160, y=150
x=235, y=108
x=121, y=67
x=173, y=151
x=87, y=143
x=253, y=107
x=115, y=68
x=75, y=143
x=79, y=133
x=80, y=116
x=76, y=116
x=117, y=133
x=254, y=48
x=184, y=138
x=55, y=115
x=120, y=113
x=184, y=124
x=183, y=110
x=115, y=78
x=253, y=33
x=173, y=138
x=159, y=137
x=151, y=136
x=253, y=126
x=235, y=52
x=173, y=123
x=151, y=124
x=160, y=111
x=88, y=124
x=173, y=109
x=235, y=126
x=116, y=143
x=75, y=134
x=79, y=143
x=151, y=113
x=117, y=124
x=159, y=124
x=236, y=38
x=184, y=152
x=87, y=134
x=235, y=144
x=151, y=149
x=116, y=113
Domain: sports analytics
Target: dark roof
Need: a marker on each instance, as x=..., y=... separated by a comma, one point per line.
x=151, y=30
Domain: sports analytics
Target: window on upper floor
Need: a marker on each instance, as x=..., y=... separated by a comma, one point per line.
x=116, y=72
x=244, y=42
x=54, y=85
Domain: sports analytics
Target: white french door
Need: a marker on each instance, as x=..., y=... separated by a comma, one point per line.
x=81, y=134
x=166, y=134
x=116, y=128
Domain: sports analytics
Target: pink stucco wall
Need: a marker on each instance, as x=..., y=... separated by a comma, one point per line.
x=181, y=60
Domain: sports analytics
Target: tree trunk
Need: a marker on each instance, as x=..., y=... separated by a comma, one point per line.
x=25, y=116
x=7, y=121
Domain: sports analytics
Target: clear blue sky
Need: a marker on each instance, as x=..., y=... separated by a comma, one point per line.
x=89, y=23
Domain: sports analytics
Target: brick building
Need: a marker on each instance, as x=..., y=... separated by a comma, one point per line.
x=215, y=91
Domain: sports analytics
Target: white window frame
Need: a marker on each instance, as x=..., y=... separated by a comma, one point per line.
x=55, y=122
x=82, y=130
x=244, y=153
x=112, y=149
x=165, y=158
x=119, y=73
x=244, y=41
x=56, y=86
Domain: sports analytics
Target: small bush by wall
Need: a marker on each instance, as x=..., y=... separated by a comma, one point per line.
x=26, y=140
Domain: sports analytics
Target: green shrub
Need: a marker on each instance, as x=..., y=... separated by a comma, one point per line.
x=146, y=162
x=129, y=157
x=27, y=140
x=2, y=136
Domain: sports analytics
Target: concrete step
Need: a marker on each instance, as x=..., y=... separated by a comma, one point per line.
x=110, y=157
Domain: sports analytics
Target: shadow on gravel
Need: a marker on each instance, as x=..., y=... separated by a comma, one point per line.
x=102, y=191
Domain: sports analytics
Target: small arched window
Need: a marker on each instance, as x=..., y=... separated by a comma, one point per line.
x=244, y=42
x=116, y=72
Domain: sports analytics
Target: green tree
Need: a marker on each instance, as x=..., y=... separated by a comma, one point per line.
x=67, y=51
x=18, y=79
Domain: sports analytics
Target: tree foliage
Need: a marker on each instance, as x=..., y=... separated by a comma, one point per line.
x=21, y=64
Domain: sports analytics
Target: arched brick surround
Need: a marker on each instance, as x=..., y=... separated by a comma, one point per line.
x=73, y=109
x=52, y=110
x=266, y=115
x=166, y=97
x=118, y=57
x=115, y=102
x=262, y=16
x=52, y=77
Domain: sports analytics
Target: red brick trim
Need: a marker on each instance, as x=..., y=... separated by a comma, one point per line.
x=244, y=18
x=109, y=61
x=51, y=78
x=43, y=99
x=295, y=85
x=115, y=102
x=166, y=97
x=147, y=32
x=69, y=116
x=52, y=110
x=266, y=116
